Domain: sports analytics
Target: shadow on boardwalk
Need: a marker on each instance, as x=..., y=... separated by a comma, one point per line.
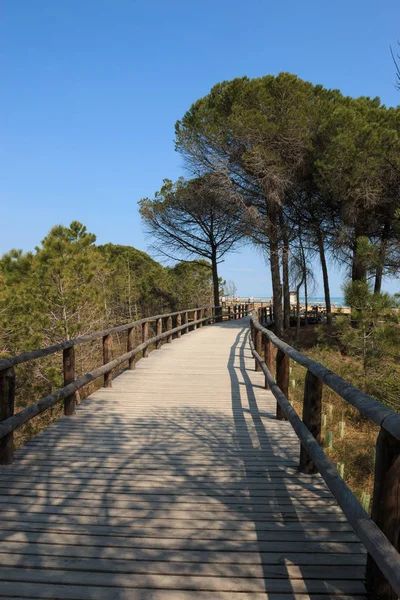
x=190, y=498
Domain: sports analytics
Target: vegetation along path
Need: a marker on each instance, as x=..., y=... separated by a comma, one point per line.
x=176, y=483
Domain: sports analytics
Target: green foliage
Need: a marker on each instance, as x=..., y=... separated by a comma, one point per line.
x=199, y=219
x=69, y=286
x=192, y=280
x=374, y=333
x=133, y=284
x=307, y=162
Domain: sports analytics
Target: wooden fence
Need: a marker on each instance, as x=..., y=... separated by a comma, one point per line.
x=165, y=330
x=381, y=533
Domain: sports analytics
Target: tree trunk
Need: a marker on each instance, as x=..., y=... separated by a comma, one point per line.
x=274, y=263
x=325, y=277
x=214, y=267
x=304, y=269
x=305, y=301
x=358, y=272
x=285, y=273
x=298, y=311
x=381, y=258
x=358, y=268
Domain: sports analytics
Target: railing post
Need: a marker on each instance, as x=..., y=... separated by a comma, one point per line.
x=145, y=337
x=7, y=395
x=312, y=407
x=270, y=313
x=282, y=379
x=235, y=311
x=265, y=343
x=385, y=507
x=246, y=309
x=169, y=327
x=186, y=321
x=178, y=323
x=194, y=317
x=229, y=312
x=69, y=377
x=159, y=332
x=200, y=316
x=107, y=357
x=258, y=346
x=130, y=346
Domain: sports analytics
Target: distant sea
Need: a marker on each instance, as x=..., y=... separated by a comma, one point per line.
x=335, y=300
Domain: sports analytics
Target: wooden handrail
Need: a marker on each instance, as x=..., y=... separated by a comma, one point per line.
x=19, y=359
x=25, y=415
x=9, y=421
x=381, y=533
x=5, y=363
x=381, y=415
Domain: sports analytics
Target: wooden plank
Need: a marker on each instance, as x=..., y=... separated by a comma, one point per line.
x=203, y=534
x=193, y=555
x=80, y=539
x=177, y=482
x=291, y=571
x=35, y=591
x=275, y=523
x=173, y=582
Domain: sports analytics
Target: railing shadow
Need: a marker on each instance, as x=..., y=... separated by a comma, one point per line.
x=181, y=495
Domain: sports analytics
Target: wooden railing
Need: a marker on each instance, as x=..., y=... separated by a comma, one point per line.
x=184, y=320
x=381, y=533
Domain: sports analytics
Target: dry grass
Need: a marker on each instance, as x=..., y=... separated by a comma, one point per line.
x=353, y=436
x=34, y=382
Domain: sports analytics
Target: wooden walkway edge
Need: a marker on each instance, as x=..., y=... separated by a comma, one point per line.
x=177, y=483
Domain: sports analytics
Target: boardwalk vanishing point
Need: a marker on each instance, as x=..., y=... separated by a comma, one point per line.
x=178, y=483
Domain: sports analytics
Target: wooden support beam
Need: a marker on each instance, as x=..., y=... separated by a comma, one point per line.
x=158, y=332
x=69, y=377
x=385, y=508
x=267, y=348
x=258, y=346
x=7, y=396
x=145, y=337
x=200, y=316
x=178, y=323
x=169, y=327
x=185, y=321
x=107, y=357
x=282, y=379
x=312, y=408
x=130, y=346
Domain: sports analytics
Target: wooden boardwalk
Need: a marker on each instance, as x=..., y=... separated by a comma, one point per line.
x=177, y=483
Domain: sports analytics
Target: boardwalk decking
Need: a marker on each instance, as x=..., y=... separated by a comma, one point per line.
x=177, y=483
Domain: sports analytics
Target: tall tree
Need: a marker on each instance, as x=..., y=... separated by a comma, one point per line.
x=357, y=166
x=259, y=131
x=199, y=218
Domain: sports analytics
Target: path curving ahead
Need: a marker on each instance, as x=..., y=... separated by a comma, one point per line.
x=176, y=484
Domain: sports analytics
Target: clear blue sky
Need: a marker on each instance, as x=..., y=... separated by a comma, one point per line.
x=91, y=90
